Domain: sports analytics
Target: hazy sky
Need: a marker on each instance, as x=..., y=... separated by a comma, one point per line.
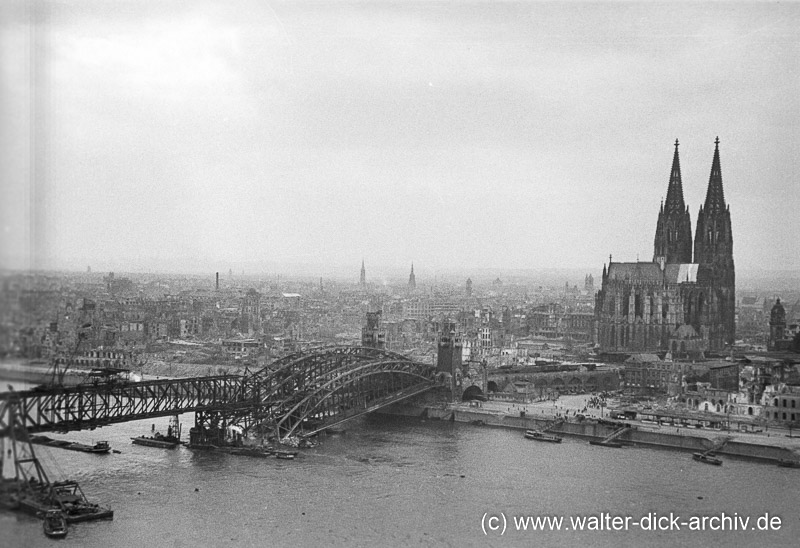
x=201, y=134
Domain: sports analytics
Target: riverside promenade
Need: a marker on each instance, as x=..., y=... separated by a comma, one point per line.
x=560, y=416
x=568, y=407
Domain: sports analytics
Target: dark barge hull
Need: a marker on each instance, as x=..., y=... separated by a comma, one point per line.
x=150, y=442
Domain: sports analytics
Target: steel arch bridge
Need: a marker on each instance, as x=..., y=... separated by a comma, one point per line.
x=317, y=389
x=308, y=391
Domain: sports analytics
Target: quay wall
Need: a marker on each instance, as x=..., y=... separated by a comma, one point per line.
x=680, y=440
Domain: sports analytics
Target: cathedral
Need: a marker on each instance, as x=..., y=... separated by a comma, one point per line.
x=682, y=303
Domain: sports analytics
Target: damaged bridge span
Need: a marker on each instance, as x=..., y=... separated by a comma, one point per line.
x=307, y=391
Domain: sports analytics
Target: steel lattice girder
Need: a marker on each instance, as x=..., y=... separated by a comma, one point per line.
x=293, y=370
x=300, y=360
x=405, y=372
x=90, y=406
x=268, y=395
x=278, y=391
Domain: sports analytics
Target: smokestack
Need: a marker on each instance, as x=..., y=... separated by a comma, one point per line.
x=217, y=281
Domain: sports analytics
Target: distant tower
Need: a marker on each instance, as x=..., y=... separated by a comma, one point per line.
x=673, y=239
x=588, y=283
x=372, y=336
x=89, y=269
x=217, y=285
x=412, y=280
x=469, y=287
x=777, y=325
x=713, y=251
x=363, y=281
x=448, y=359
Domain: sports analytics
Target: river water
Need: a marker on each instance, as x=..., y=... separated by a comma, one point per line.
x=403, y=482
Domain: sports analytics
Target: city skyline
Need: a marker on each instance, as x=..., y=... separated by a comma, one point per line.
x=518, y=136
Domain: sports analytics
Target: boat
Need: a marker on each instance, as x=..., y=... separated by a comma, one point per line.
x=162, y=442
x=288, y=455
x=170, y=441
x=257, y=452
x=54, y=524
x=706, y=458
x=101, y=447
x=788, y=463
x=601, y=443
x=64, y=496
x=542, y=436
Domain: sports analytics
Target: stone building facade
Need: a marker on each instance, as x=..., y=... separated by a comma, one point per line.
x=673, y=303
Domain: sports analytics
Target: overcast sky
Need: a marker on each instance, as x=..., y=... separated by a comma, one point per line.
x=202, y=134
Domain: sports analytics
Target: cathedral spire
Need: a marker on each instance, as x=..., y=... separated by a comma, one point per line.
x=715, y=196
x=675, y=201
x=363, y=280
x=673, y=241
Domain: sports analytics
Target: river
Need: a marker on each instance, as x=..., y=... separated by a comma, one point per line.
x=402, y=482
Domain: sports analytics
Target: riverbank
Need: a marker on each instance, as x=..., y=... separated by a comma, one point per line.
x=761, y=446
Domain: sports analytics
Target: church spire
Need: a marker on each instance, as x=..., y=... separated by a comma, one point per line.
x=675, y=203
x=673, y=241
x=715, y=196
x=412, y=280
x=363, y=280
x=713, y=237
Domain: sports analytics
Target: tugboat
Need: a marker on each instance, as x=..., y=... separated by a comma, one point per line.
x=54, y=524
x=170, y=441
x=541, y=436
x=287, y=455
x=788, y=463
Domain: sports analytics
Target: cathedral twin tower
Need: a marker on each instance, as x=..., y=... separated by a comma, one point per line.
x=713, y=238
x=681, y=303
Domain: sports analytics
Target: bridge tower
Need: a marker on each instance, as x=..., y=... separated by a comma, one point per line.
x=448, y=359
x=372, y=336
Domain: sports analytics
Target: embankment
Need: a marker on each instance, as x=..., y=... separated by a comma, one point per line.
x=683, y=439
